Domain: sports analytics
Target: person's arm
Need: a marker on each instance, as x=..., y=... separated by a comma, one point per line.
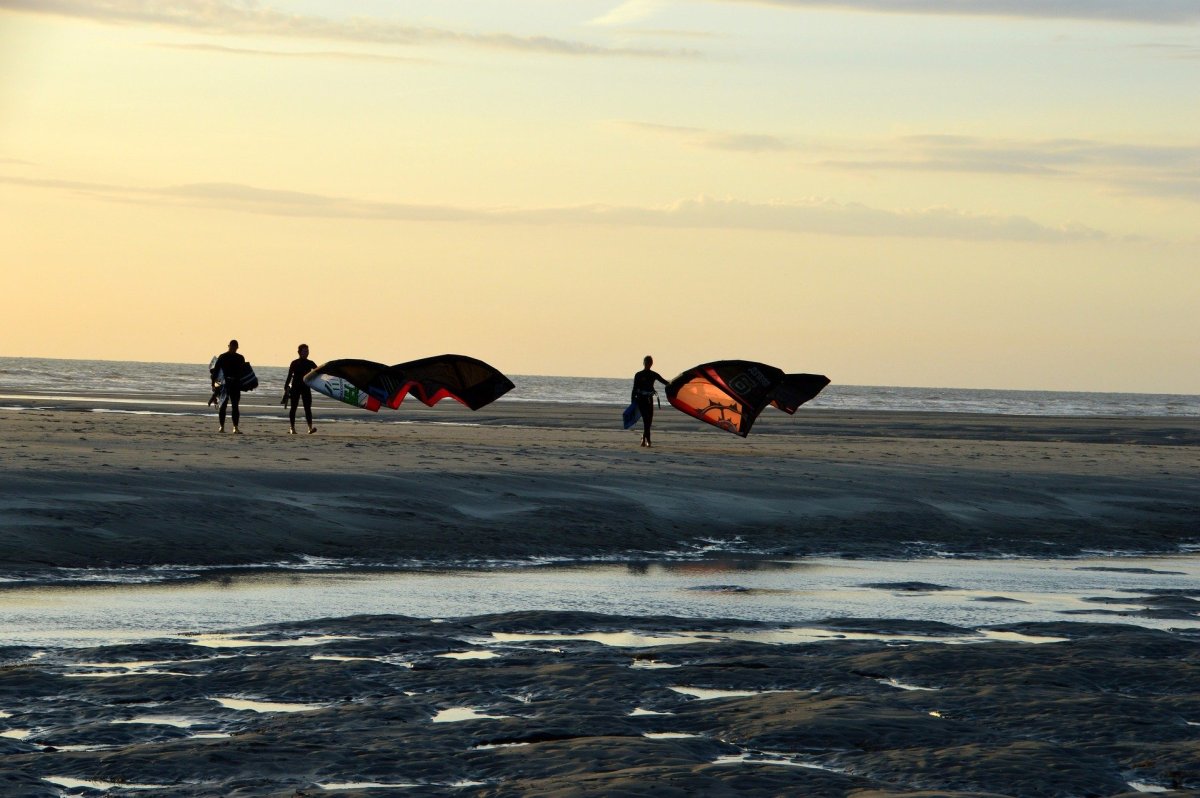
x=287, y=384
x=659, y=377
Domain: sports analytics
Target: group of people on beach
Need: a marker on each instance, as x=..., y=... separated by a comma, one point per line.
x=229, y=368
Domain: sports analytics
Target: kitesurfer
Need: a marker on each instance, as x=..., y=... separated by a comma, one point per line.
x=296, y=390
x=643, y=395
x=231, y=366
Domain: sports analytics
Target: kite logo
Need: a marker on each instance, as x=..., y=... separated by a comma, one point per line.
x=747, y=381
x=339, y=389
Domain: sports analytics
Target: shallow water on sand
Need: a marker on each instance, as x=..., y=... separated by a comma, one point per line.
x=966, y=593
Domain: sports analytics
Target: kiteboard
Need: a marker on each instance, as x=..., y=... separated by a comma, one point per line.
x=249, y=381
x=249, y=378
x=632, y=415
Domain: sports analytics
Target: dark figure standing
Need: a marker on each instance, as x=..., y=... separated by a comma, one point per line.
x=643, y=395
x=232, y=367
x=296, y=390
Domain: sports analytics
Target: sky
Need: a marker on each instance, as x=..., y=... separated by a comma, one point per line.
x=954, y=193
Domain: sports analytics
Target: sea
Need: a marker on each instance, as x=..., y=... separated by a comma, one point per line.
x=184, y=381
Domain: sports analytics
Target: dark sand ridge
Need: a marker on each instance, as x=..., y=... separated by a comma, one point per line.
x=1111, y=709
x=523, y=479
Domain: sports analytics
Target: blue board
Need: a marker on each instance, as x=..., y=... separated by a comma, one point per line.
x=631, y=415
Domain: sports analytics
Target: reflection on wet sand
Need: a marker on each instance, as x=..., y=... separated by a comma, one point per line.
x=969, y=594
x=72, y=783
x=470, y=655
x=365, y=785
x=254, y=705
x=249, y=641
x=460, y=714
x=708, y=694
x=803, y=634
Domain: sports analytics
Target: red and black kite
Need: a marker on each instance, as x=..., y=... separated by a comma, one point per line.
x=730, y=394
x=363, y=383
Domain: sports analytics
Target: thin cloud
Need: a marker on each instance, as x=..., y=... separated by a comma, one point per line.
x=302, y=55
x=965, y=165
x=673, y=33
x=731, y=141
x=276, y=202
x=1064, y=152
x=629, y=11
x=1173, y=51
x=1156, y=12
x=1150, y=170
x=222, y=17
x=822, y=217
x=1186, y=187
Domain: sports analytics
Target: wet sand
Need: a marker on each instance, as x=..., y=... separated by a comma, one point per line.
x=84, y=489
x=374, y=706
x=473, y=707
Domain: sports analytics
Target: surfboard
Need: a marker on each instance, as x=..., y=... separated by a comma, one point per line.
x=631, y=415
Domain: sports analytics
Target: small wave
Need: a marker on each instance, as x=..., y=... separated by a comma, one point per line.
x=138, y=378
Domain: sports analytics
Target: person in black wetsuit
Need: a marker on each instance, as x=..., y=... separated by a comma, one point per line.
x=231, y=366
x=296, y=390
x=643, y=395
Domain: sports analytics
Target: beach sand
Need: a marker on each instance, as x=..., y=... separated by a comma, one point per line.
x=371, y=706
x=83, y=489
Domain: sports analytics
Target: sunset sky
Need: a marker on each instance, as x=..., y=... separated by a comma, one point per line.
x=959, y=193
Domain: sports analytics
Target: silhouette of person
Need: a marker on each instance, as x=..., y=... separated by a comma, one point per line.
x=296, y=390
x=231, y=366
x=643, y=395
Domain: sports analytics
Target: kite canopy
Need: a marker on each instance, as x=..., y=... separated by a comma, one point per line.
x=364, y=383
x=730, y=394
x=796, y=389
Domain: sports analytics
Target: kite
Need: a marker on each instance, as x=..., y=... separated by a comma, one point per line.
x=730, y=394
x=363, y=383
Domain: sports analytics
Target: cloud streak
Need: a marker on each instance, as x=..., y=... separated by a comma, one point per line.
x=1152, y=170
x=222, y=17
x=1173, y=50
x=629, y=11
x=817, y=216
x=1144, y=169
x=321, y=55
x=729, y=141
x=1156, y=12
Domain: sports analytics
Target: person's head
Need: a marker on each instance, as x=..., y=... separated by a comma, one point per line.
x=233, y=345
x=302, y=350
x=647, y=361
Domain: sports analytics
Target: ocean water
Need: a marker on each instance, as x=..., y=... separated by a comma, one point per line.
x=189, y=380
